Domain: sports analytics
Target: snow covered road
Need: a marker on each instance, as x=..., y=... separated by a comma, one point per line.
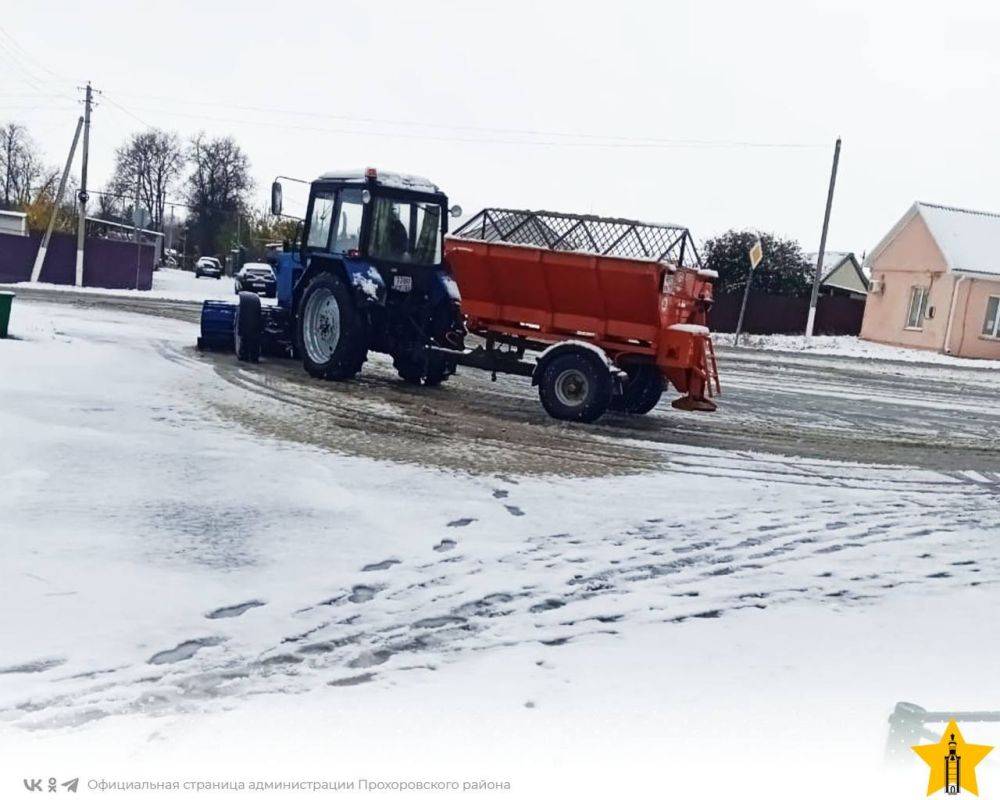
x=939, y=416
x=183, y=539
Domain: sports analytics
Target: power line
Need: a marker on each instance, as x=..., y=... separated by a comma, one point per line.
x=598, y=143
x=397, y=122
x=645, y=140
x=33, y=80
x=25, y=54
x=539, y=138
x=122, y=108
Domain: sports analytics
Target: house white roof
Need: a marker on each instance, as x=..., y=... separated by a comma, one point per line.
x=831, y=260
x=968, y=240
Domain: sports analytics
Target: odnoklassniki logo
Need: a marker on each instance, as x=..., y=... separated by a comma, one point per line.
x=952, y=761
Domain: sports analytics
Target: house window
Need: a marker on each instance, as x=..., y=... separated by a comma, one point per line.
x=991, y=325
x=918, y=304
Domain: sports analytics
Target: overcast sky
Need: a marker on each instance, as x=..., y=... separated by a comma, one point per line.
x=710, y=114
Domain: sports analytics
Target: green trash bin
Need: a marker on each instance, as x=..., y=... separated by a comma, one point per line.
x=6, y=299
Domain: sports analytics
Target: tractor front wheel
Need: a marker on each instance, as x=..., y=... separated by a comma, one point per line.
x=331, y=334
x=247, y=328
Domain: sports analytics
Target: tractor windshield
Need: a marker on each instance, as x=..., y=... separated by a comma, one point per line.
x=406, y=231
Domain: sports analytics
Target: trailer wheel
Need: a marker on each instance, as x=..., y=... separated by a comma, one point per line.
x=575, y=387
x=247, y=328
x=641, y=392
x=330, y=332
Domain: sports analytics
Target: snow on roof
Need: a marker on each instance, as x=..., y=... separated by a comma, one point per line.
x=831, y=261
x=394, y=180
x=969, y=240
x=123, y=226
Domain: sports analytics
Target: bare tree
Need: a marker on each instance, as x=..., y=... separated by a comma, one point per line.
x=108, y=205
x=149, y=163
x=218, y=188
x=21, y=167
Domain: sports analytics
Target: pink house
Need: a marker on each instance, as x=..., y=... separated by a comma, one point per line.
x=935, y=283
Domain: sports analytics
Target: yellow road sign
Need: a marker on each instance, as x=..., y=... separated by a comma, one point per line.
x=756, y=254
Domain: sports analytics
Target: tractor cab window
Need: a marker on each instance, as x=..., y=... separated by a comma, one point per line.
x=322, y=217
x=347, y=234
x=408, y=232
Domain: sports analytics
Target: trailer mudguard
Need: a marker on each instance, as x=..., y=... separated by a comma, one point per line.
x=560, y=348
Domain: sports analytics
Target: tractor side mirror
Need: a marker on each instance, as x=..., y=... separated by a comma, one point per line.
x=276, y=199
x=455, y=211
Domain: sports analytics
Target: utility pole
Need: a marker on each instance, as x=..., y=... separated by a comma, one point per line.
x=81, y=231
x=43, y=246
x=136, y=219
x=814, y=297
x=9, y=171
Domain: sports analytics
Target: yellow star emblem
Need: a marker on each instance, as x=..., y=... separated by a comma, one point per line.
x=952, y=761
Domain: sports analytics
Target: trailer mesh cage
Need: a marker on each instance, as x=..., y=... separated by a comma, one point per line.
x=603, y=236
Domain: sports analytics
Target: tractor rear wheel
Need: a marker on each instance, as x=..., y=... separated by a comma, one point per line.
x=430, y=371
x=247, y=328
x=575, y=387
x=330, y=333
x=641, y=392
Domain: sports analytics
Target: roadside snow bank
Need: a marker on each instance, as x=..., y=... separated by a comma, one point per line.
x=851, y=347
x=168, y=284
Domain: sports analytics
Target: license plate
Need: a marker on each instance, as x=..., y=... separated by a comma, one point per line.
x=402, y=283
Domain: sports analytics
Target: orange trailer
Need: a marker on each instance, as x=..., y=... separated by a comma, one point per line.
x=615, y=308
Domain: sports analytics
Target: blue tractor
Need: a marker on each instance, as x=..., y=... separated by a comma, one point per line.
x=365, y=273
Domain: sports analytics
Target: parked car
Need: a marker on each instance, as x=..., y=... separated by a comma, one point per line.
x=258, y=278
x=208, y=267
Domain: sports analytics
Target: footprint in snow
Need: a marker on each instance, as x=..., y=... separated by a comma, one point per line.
x=389, y=562
x=42, y=665
x=185, y=650
x=328, y=646
x=282, y=659
x=445, y=544
x=546, y=605
x=234, y=611
x=514, y=511
x=499, y=494
x=355, y=680
x=372, y=659
x=438, y=622
x=362, y=594
x=461, y=522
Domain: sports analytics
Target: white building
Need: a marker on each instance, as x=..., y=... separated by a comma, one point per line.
x=14, y=222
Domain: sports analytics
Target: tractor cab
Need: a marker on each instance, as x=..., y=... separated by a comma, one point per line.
x=384, y=229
